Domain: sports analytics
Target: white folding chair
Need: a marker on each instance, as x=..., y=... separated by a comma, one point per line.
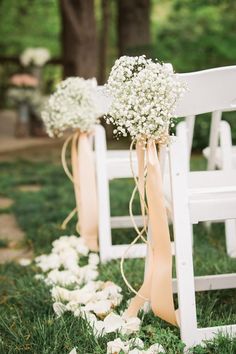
x=200, y=196
x=221, y=154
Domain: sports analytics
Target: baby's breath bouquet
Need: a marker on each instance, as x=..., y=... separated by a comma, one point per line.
x=72, y=106
x=145, y=93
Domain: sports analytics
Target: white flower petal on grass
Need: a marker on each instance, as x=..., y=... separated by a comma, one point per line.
x=59, y=308
x=155, y=349
x=83, y=250
x=115, y=346
x=136, y=343
x=64, y=278
x=98, y=328
x=131, y=325
x=48, y=262
x=24, y=262
x=90, y=318
x=73, y=351
x=136, y=351
x=113, y=323
x=94, y=259
x=79, y=312
x=89, y=273
x=100, y=308
x=73, y=306
x=59, y=293
x=39, y=276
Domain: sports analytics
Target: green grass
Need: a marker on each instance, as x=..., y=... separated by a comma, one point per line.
x=27, y=321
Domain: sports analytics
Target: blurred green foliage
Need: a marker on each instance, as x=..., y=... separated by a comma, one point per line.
x=197, y=34
x=191, y=34
x=29, y=23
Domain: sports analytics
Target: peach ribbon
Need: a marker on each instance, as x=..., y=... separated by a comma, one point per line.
x=84, y=180
x=157, y=284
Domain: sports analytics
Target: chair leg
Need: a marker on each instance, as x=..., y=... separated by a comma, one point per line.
x=104, y=225
x=214, y=137
x=183, y=242
x=230, y=235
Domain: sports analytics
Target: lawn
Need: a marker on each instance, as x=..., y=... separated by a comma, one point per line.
x=27, y=321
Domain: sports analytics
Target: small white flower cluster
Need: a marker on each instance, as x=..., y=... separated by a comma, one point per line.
x=133, y=346
x=35, y=56
x=72, y=106
x=145, y=94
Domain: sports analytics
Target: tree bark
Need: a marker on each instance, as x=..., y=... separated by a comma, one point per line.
x=133, y=27
x=104, y=41
x=79, y=38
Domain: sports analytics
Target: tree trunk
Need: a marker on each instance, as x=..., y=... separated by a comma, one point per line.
x=79, y=38
x=104, y=41
x=133, y=27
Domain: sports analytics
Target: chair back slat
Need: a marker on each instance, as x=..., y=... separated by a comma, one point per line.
x=208, y=91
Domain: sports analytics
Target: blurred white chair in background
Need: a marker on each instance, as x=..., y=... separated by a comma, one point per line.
x=221, y=154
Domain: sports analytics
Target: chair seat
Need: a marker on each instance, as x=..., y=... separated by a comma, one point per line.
x=219, y=164
x=212, y=195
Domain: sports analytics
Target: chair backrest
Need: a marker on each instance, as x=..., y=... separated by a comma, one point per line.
x=208, y=91
x=212, y=90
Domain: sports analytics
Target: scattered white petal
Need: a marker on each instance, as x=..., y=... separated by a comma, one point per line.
x=115, y=346
x=59, y=308
x=113, y=323
x=99, y=328
x=136, y=342
x=131, y=325
x=39, y=276
x=73, y=351
x=100, y=308
x=24, y=262
x=94, y=259
x=155, y=349
x=136, y=351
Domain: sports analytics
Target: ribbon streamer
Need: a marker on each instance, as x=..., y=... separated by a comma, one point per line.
x=84, y=181
x=157, y=284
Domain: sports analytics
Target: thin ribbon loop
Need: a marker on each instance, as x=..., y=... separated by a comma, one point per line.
x=138, y=186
